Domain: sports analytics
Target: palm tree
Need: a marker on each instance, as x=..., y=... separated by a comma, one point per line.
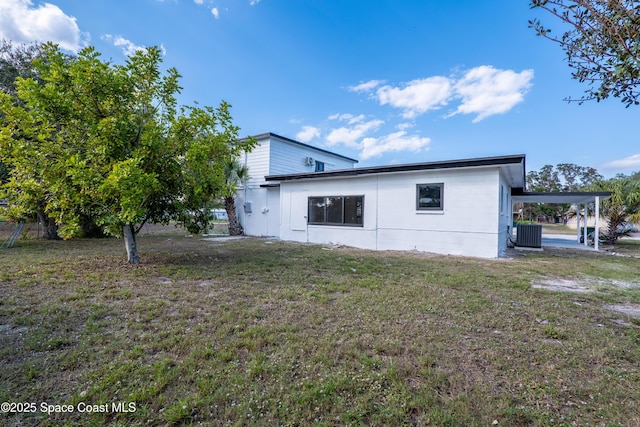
x=623, y=205
x=235, y=173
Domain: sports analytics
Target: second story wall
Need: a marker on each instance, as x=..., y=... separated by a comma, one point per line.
x=278, y=155
x=292, y=158
x=258, y=162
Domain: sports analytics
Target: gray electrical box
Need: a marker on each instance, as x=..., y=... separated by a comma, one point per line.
x=247, y=207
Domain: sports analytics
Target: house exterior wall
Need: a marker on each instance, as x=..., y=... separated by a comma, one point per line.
x=468, y=224
x=286, y=158
x=505, y=214
x=261, y=215
x=258, y=162
x=272, y=156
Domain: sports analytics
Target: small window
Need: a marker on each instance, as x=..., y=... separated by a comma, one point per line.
x=336, y=210
x=429, y=196
x=319, y=166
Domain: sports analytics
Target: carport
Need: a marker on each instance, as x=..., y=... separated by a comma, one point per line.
x=574, y=198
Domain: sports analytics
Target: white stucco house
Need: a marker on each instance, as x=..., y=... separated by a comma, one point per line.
x=302, y=193
x=258, y=201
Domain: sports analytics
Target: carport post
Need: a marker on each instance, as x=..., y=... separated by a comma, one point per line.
x=596, y=233
x=578, y=221
x=585, y=234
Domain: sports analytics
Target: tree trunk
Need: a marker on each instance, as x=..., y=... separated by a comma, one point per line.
x=235, y=228
x=130, y=244
x=50, y=228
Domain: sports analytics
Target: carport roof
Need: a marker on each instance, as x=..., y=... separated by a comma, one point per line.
x=558, y=197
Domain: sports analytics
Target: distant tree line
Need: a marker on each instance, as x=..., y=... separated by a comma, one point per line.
x=623, y=206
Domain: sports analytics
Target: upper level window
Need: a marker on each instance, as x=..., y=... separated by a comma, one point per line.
x=430, y=196
x=319, y=166
x=336, y=210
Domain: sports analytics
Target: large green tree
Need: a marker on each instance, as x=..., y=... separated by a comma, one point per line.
x=109, y=142
x=18, y=60
x=602, y=44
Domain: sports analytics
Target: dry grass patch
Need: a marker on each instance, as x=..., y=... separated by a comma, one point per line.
x=259, y=332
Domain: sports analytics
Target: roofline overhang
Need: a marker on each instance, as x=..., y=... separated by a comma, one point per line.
x=519, y=196
x=268, y=135
x=410, y=167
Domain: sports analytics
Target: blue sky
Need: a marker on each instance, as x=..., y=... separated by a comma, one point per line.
x=385, y=81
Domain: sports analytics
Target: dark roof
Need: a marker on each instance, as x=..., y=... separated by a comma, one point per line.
x=449, y=164
x=293, y=141
x=558, y=197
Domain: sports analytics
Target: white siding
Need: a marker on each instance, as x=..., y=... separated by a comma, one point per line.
x=468, y=224
x=287, y=158
x=274, y=156
x=258, y=162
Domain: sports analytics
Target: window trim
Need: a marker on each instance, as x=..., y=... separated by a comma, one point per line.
x=335, y=224
x=318, y=167
x=430, y=208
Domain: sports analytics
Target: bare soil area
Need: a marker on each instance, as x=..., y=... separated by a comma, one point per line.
x=592, y=284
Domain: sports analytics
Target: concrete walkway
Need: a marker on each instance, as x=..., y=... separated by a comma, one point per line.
x=563, y=241
x=224, y=238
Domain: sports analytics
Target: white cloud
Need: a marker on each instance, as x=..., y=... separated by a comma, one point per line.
x=350, y=135
x=417, y=96
x=128, y=47
x=349, y=118
x=308, y=133
x=198, y=1
x=254, y=2
x=366, y=86
x=487, y=91
x=215, y=12
x=631, y=162
x=484, y=91
x=341, y=117
x=22, y=22
x=357, y=133
x=394, y=142
x=405, y=126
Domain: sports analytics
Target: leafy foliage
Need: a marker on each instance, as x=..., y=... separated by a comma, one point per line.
x=602, y=44
x=623, y=205
x=109, y=142
x=234, y=172
x=564, y=177
x=4, y=173
x=17, y=61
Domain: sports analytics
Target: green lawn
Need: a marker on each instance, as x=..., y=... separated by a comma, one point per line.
x=259, y=332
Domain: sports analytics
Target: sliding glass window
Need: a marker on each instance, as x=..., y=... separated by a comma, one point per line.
x=336, y=210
